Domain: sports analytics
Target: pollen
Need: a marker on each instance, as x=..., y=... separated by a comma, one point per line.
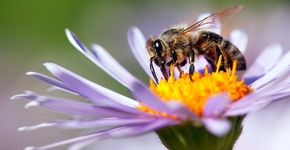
x=195, y=91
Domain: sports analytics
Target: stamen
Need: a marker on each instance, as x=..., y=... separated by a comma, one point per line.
x=219, y=63
x=195, y=93
x=206, y=69
x=172, y=70
x=235, y=63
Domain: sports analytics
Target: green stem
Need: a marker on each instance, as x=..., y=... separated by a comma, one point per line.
x=189, y=136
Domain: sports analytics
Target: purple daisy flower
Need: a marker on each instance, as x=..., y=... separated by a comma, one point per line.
x=114, y=115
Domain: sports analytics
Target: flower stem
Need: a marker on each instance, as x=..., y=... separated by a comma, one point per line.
x=189, y=136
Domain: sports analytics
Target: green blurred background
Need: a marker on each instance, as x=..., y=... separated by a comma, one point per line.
x=32, y=32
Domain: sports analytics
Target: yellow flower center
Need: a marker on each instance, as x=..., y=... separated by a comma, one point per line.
x=195, y=93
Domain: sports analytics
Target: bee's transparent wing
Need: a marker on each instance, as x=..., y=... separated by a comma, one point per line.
x=213, y=20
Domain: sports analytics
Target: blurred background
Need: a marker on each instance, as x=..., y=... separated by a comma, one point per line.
x=32, y=32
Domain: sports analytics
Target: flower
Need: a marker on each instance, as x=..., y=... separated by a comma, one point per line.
x=171, y=108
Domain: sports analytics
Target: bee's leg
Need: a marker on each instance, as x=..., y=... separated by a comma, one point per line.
x=212, y=52
x=211, y=62
x=176, y=63
x=219, y=52
x=225, y=57
x=163, y=70
x=152, y=70
x=191, y=61
x=181, y=64
x=170, y=63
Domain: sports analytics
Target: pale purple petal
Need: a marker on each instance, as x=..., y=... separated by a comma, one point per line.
x=265, y=61
x=95, y=93
x=271, y=91
x=141, y=129
x=281, y=66
x=182, y=111
x=122, y=131
x=274, y=83
x=56, y=84
x=243, y=110
x=239, y=39
x=35, y=127
x=105, y=122
x=242, y=106
x=98, y=55
x=144, y=95
x=266, y=129
x=75, y=107
x=251, y=79
x=216, y=105
x=216, y=126
x=89, y=89
x=112, y=67
x=74, y=40
x=253, y=102
x=85, y=123
x=270, y=98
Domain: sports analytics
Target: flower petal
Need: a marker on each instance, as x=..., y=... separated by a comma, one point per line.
x=280, y=67
x=218, y=127
x=144, y=95
x=56, y=83
x=74, y=107
x=98, y=55
x=74, y=40
x=96, y=124
x=216, y=105
x=270, y=125
x=112, y=67
x=261, y=97
x=89, y=89
x=35, y=127
x=182, y=111
x=239, y=39
x=122, y=131
x=243, y=106
x=270, y=55
x=105, y=122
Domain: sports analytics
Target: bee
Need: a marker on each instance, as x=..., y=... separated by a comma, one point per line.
x=178, y=45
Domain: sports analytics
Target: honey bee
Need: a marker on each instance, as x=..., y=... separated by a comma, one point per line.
x=178, y=45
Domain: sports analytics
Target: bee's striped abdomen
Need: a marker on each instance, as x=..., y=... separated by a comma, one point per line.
x=230, y=51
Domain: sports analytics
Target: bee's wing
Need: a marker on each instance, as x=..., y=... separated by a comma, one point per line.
x=214, y=19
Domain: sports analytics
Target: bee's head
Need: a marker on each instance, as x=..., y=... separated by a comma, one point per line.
x=156, y=49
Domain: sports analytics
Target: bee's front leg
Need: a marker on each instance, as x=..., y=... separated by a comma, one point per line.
x=152, y=70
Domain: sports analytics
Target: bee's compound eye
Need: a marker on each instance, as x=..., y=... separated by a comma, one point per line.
x=158, y=46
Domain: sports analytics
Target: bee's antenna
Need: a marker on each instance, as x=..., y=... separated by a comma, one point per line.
x=152, y=70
